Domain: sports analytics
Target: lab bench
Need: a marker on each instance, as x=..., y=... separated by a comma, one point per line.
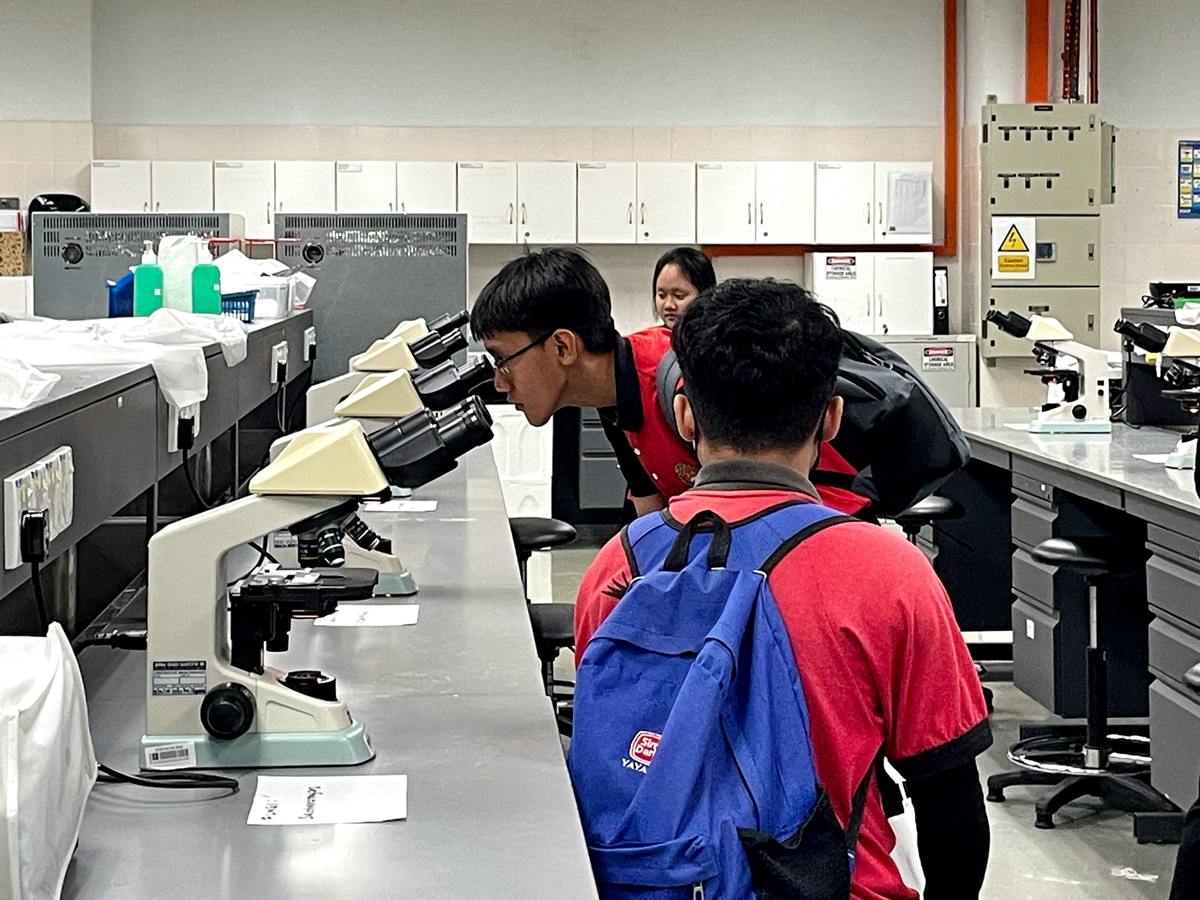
x=1021, y=489
x=455, y=703
x=116, y=422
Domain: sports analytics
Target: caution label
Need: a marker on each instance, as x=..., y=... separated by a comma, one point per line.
x=1013, y=238
x=934, y=359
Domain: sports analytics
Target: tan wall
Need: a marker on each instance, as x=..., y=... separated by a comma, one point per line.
x=36, y=157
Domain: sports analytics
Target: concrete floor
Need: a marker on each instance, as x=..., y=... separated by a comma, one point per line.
x=1091, y=855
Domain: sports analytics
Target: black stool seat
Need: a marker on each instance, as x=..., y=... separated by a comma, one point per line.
x=534, y=533
x=553, y=628
x=932, y=509
x=1088, y=556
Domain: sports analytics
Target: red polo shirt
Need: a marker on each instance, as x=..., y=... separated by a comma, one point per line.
x=880, y=654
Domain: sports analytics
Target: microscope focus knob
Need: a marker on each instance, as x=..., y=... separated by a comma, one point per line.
x=227, y=711
x=1079, y=411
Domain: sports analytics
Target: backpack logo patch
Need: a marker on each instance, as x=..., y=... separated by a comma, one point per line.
x=686, y=472
x=641, y=750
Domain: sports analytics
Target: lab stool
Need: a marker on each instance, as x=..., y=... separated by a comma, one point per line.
x=925, y=512
x=1086, y=762
x=553, y=623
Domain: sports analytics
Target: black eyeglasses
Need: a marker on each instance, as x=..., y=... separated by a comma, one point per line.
x=501, y=365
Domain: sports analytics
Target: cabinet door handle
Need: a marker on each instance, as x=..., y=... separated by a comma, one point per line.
x=158, y=207
x=643, y=206
x=868, y=212
x=868, y=307
x=510, y=214
x=1192, y=678
x=146, y=206
x=760, y=214
x=402, y=207
x=268, y=213
x=390, y=205
x=879, y=221
x=749, y=213
x=630, y=212
x=879, y=306
x=524, y=217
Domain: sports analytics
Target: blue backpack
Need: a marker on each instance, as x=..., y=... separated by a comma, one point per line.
x=691, y=757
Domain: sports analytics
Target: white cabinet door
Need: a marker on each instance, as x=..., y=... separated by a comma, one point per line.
x=487, y=193
x=904, y=293
x=426, y=187
x=305, y=187
x=121, y=185
x=546, y=202
x=845, y=282
x=247, y=188
x=666, y=212
x=725, y=210
x=182, y=186
x=845, y=203
x=366, y=187
x=904, y=202
x=784, y=192
x=607, y=201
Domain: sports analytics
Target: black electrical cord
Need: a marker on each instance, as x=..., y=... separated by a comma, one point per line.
x=262, y=556
x=177, y=781
x=35, y=574
x=305, y=379
x=187, y=476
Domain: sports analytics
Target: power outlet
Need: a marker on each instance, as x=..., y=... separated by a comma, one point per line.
x=310, y=344
x=174, y=414
x=48, y=484
x=279, y=361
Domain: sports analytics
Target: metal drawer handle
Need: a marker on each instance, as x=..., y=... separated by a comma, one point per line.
x=1192, y=678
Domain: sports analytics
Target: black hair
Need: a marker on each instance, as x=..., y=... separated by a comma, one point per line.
x=543, y=291
x=759, y=362
x=695, y=266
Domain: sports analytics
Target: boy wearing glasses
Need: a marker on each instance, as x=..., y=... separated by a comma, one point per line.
x=546, y=320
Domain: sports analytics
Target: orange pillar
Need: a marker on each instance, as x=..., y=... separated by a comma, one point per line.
x=1037, y=51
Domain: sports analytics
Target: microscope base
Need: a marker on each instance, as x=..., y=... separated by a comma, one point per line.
x=348, y=747
x=1086, y=427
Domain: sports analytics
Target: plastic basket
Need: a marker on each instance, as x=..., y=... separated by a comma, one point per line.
x=239, y=306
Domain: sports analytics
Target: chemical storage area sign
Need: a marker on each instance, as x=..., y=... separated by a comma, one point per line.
x=841, y=267
x=1013, y=241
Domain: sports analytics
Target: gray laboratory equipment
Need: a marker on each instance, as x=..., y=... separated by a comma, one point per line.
x=1045, y=169
x=373, y=271
x=76, y=254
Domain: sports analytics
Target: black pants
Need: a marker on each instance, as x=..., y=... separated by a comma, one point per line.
x=1186, y=885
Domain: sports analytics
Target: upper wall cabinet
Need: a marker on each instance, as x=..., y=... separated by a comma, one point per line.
x=487, y=193
x=546, y=202
x=305, y=187
x=666, y=203
x=182, y=187
x=121, y=185
x=607, y=202
x=246, y=187
x=904, y=202
x=747, y=203
x=366, y=187
x=874, y=203
x=426, y=187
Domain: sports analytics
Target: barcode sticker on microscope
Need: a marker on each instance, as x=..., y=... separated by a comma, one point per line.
x=172, y=756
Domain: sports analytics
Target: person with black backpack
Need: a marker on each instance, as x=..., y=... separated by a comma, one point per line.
x=748, y=657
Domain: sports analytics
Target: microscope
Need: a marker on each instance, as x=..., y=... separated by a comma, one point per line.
x=1181, y=378
x=424, y=351
x=1083, y=407
x=211, y=700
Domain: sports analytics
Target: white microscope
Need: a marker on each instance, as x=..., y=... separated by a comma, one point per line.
x=1183, y=376
x=1083, y=407
x=211, y=701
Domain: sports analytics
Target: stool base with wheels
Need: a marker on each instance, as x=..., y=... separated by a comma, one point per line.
x=553, y=623
x=1087, y=762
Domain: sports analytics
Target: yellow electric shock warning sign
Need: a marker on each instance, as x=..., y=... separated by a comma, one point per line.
x=1013, y=240
x=1014, y=243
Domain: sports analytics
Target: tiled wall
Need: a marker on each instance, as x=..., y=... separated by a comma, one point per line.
x=36, y=157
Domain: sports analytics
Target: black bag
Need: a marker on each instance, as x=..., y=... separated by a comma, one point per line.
x=895, y=432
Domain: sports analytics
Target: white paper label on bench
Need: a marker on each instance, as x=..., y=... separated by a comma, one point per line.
x=1158, y=459
x=1030, y=629
x=328, y=799
x=354, y=615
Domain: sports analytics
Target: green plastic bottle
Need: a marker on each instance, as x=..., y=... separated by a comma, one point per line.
x=147, y=284
x=206, y=289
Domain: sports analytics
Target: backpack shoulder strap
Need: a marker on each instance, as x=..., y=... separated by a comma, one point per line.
x=647, y=540
x=760, y=542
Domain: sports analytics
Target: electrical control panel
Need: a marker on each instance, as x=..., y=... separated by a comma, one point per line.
x=1046, y=169
x=48, y=484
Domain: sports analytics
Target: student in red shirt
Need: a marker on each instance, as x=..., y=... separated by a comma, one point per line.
x=546, y=320
x=880, y=655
